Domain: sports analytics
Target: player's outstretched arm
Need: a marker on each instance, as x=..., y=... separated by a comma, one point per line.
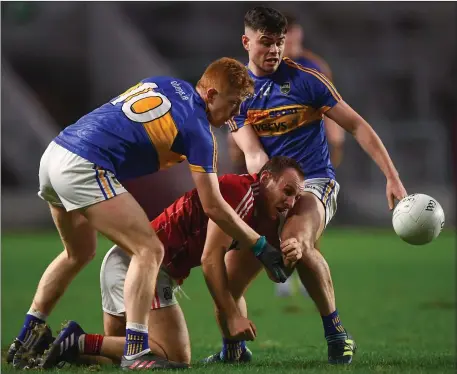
x=352, y=122
x=215, y=273
x=218, y=210
x=254, y=154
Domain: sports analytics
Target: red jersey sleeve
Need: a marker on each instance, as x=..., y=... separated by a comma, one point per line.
x=238, y=191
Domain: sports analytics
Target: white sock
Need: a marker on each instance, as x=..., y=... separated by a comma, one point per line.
x=139, y=354
x=36, y=313
x=137, y=327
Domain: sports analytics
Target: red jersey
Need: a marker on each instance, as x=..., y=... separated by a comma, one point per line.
x=182, y=226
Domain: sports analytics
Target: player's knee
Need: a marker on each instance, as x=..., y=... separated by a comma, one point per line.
x=152, y=253
x=181, y=355
x=82, y=257
x=308, y=250
x=91, y=255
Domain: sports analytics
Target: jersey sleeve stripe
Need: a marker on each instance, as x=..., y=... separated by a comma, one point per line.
x=325, y=78
x=248, y=209
x=214, y=149
x=229, y=125
x=197, y=168
x=249, y=204
x=245, y=197
x=318, y=75
x=232, y=124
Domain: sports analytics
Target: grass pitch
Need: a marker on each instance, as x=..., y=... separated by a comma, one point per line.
x=397, y=300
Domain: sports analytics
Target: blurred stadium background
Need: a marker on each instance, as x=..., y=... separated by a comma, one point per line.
x=394, y=62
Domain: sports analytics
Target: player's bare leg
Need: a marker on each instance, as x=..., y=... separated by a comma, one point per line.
x=122, y=220
x=306, y=222
x=168, y=335
x=79, y=241
x=242, y=268
x=168, y=339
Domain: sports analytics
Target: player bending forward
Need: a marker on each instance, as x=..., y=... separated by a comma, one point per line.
x=190, y=239
x=155, y=124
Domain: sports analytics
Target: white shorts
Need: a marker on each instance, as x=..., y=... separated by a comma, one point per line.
x=112, y=278
x=70, y=181
x=326, y=190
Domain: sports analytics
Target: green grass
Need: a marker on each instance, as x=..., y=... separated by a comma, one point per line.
x=397, y=300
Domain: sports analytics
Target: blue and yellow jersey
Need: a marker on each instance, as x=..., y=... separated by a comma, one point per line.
x=153, y=125
x=286, y=111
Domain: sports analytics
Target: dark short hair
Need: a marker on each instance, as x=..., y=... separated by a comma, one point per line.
x=265, y=19
x=277, y=164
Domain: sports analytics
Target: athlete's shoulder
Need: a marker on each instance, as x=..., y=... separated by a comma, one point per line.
x=297, y=70
x=239, y=179
x=186, y=103
x=311, y=60
x=240, y=191
x=309, y=79
x=238, y=184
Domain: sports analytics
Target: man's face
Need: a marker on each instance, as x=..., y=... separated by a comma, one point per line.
x=223, y=105
x=265, y=49
x=279, y=195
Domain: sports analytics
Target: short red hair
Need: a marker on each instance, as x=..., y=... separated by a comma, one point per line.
x=225, y=74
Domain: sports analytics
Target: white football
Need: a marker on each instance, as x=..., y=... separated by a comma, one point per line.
x=418, y=219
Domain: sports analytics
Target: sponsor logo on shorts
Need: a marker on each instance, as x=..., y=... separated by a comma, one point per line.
x=312, y=187
x=167, y=293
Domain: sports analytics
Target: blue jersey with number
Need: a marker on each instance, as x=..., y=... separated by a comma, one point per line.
x=155, y=124
x=286, y=111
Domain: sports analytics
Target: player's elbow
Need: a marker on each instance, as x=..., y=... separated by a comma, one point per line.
x=210, y=265
x=214, y=210
x=206, y=261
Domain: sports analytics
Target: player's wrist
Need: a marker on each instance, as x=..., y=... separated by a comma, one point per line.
x=230, y=312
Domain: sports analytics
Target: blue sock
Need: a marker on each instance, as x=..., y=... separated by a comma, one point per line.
x=32, y=318
x=136, y=339
x=232, y=349
x=332, y=324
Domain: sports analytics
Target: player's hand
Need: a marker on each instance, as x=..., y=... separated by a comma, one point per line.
x=394, y=191
x=241, y=328
x=272, y=259
x=291, y=250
